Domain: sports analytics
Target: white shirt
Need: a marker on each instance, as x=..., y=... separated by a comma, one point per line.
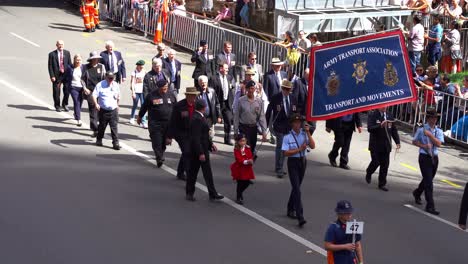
x=225, y=86
x=107, y=95
x=416, y=38
x=60, y=53
x=76, y=80
x=278, y=75
x=113, y=58
x=138, y=80
x=286, y=102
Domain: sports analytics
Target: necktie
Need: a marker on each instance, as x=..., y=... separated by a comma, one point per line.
x=228, y=58
x=286, y=109
x=225, y=88
x=173, y=71
x=112, y=62
x=62, y=68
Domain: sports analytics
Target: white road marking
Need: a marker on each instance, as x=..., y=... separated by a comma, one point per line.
x=24, y=39
x=201, y=187
x=434, y=217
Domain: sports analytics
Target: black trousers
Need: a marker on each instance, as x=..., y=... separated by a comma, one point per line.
x=110, y=117
x=250, y=132
x=242, y=185
x=158, y=132
x=428, y=167
x=195, y=165
x=296, y=171
x=227, y=121
x=184, y=162
x=56, y=94
x=342, y=141
x=93, y=114
x=381, y=159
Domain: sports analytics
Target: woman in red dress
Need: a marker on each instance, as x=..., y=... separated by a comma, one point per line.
x=241, y=169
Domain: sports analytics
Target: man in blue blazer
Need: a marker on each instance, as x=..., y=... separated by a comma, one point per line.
x=272, y=80
x=174, y=67
x=114, y=62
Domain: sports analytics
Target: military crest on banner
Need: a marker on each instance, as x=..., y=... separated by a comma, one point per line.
x=360, y=71
x=333, y=84
x=390, y=75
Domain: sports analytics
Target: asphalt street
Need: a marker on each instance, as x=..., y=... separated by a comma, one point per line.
x=64, y=200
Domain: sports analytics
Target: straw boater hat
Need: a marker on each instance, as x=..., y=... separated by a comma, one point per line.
x=431, y=112
x=276, y=61
x=250, y=71
x=192, y=90
x=286, y=84
x=94, y=55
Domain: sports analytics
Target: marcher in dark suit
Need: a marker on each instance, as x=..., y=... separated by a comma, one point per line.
x=222, y=85
x=114, y=62
x=174, y=68
x=381, y=131
x=226, y=56
x=213, y=110
x=281, y=106
x=58, y=62
x=201, y=146
x=154, y=76
x=343, y=127
x=301, y=92
x=204, y=63
x=179, y=129
x=272, y=80
x=463, y=209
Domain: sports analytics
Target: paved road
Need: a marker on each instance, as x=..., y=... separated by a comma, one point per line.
x=64, y=200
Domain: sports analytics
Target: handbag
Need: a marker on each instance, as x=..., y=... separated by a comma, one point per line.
x=456, y=55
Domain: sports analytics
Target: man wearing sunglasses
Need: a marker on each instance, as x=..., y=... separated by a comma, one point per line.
x=252, y=64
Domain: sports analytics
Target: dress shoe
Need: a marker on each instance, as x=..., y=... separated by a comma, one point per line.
x=189, y=197
x=239, y=201
x=302, y=222
x=216, y=197
x=116, y=147
x=417, y=198
x=94, y=134
x=98, y=26
x=181, y=177
x=57, y=109
x=368, y=178
x=345, y=166
x=383, y=188
x=87, y=30
x=332, y=162
x=99, y=143
x=432, y=211
x=159, y=163
x=291, y=215
x=279, y=175
x=65, y=108
x=272, y=140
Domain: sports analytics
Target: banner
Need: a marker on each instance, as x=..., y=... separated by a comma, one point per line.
x=359, y=74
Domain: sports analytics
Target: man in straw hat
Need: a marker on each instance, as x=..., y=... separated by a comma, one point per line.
x=95, y=73
x=294, y=146
x=272, y=80
x=282, y=105
x=429, y=139
x=159, y=104
x=179, y=127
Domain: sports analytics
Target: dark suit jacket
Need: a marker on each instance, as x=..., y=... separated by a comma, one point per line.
x=271, y=86
x=215, y=110
x=202, y=65
x=215, y=83
x=200, y=141
x=379, y=136
x=276, y=109
x=336, y=124
x=301, y=93
x=221, y=58
x=180, y=121
x=120, y=63
x=150, y=82
x=464, y=207
x=167, y=66
x=53, y=63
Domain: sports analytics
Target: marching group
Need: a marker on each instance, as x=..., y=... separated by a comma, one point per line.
x=260, y=103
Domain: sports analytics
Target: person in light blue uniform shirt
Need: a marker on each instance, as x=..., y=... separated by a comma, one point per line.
x=429, y=139
x=106, y=97
x=294, y=147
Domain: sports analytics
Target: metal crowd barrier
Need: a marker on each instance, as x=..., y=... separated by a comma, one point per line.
x=453, y=111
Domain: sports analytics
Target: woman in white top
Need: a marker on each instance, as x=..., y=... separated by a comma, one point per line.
x=452, y=40
x=179, y=9
x=136, y=86
x=74, y=82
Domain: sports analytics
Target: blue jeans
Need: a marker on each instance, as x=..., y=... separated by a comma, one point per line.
x=279, y=156
x=138, y=97
x=434, y=53
x=415, y=59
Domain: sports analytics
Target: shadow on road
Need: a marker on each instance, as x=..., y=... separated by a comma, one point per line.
x=29, y=107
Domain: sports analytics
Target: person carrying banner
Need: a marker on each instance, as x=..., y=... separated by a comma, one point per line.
x=89, y=9
x=381, y=131
x=429, y=139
